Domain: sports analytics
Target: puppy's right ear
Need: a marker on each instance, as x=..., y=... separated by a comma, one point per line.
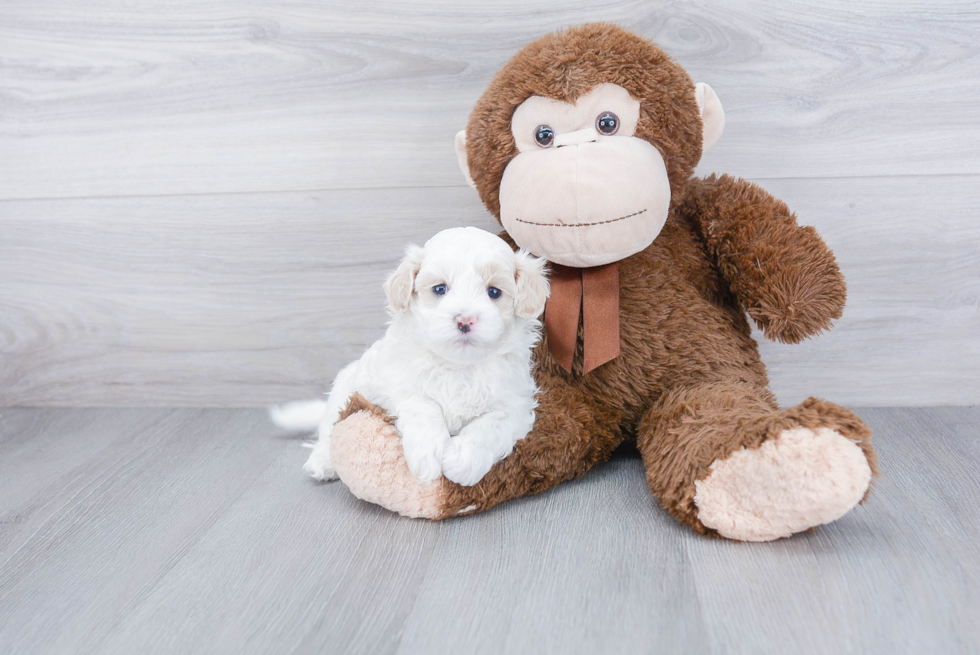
x=401, y=284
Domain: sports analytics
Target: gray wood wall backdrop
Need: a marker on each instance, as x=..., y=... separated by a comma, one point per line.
x=199, y=201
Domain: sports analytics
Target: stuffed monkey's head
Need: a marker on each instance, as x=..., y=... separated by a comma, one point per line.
x=583, y=140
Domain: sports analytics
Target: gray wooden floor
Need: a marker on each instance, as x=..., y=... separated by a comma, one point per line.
x=184, y=531
x=199, y=201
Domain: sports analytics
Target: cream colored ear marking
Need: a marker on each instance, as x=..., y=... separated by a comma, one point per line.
x=461, y=156
x=401, y=283
x=712, y=115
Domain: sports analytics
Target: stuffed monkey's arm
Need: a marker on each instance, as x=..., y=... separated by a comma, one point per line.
x=783, y=274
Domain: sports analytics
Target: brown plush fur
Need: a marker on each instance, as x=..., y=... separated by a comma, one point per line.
x=688, y=384
x=358, y=403
x=784, y=275
x=569, y=64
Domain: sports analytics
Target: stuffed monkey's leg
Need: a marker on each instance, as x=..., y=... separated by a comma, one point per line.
x=723, y=459
x=570, y=435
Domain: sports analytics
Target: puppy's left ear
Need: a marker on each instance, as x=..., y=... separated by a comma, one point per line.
x=532, y=285
x=401, y=284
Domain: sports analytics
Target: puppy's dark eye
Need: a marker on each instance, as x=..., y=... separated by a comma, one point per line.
x=544, y=135
x=440, y=289
x=493, y=292
x=607, y=123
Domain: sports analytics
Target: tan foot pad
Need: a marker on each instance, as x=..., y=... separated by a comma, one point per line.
x=367, y=454
x=799, y=480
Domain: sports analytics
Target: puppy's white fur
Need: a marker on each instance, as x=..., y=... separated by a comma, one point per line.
x=461, y=399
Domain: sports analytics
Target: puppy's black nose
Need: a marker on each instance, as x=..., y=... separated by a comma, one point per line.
x=464, y=323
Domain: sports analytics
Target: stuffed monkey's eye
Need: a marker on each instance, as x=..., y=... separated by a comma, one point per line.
x=440, y=289
x=607, y=123
x=544, y=135
x=493, y=292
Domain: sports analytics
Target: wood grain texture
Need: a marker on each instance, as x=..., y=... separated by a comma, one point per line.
x=198, y=202
x=166, y=97
x=244, y=300
x=199, y=300
x=195, y=531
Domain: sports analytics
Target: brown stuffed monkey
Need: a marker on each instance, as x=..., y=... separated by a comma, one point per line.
x=584, y=147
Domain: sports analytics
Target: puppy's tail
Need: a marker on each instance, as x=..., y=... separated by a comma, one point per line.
x=300, y=416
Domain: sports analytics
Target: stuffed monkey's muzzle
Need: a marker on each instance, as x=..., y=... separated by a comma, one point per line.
x=588, y=201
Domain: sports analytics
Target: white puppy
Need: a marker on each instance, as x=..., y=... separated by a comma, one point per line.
x=454, y=367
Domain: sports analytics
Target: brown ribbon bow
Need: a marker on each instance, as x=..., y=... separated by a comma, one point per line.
x=596, y=291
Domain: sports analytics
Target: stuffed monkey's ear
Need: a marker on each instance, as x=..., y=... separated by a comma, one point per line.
x=712, y=115
x=461, y=156
x=401, y=284
x=532, y=285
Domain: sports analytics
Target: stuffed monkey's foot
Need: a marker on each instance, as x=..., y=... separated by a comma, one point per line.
x=798, y=480
x=368, y=457
x=723, y=459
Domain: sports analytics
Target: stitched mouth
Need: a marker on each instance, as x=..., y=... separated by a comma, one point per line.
x=611, y=220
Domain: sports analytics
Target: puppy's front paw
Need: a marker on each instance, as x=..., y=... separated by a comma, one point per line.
x=465, y=462
x=319, y=466
x=424, y=460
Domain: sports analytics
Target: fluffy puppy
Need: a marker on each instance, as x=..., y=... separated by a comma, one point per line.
x=454, y=366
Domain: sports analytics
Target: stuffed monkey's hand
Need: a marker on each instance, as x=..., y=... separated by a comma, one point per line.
x=783, y=274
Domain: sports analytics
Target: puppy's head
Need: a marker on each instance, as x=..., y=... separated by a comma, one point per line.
x=466, y=292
